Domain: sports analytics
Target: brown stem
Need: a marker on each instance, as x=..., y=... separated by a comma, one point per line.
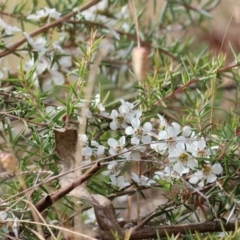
x=151, y=232
x=55, y=23
x=49, y=200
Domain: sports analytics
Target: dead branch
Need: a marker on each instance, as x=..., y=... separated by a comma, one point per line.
x=49, y=200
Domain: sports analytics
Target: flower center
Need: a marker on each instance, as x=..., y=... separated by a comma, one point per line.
x=93, y=157
x=170, y=141
x=206, y=169
x=138, y=132
x=118, y=148
x=201, y=153
x=120, y=119
x=183, y=157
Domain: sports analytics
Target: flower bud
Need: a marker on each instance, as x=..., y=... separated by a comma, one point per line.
x=140, y=62
x=8, y=162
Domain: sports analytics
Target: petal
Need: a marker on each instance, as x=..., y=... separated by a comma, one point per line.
x=122, y=141
x=135, y=122
x=178, y=167
x=161, y=147
x=211, y=178
x=121, y=182
x=162, y=135
x=186, y=131
x=146, y=139
x=180, y=147
x=135, y=155
x=150, y=181
x=137, y=114
x=112, y=151
x=193, y=179
x=100, y=150
x=217, y=168
x=106, y=173
x=94, y=143
x=112, y=164
x=201, y=184
x=3, y=215
x=129, y=130
x=192, y=163
x=176, y=127
x=113, y=180
x=135, y=178
x=112, y=142
x=86, y=151
x=135, y=141
x=113, y=125
x=147, y=127
x=114, y=114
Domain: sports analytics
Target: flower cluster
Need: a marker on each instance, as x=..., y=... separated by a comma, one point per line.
x=184, y=151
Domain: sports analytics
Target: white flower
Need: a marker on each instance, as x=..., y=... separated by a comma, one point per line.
x=3, y=215
x=83, y=139
x=65, y=62
x=124, y=116
x=8, y=29
x=163, y=122
x=52, y=111
x=181, y=159
x=127, y=109
x=43, y=14
x=143, y=180
x=113, y=168
x=100, y=106
x=139, y=133
x=94, y=152
x=118, y=181
x=38, y=45
x=117, y=147
x=165, y=174
x=169, y=138
x=136, y=152
x=208, y=173
x=199, y=149
x=187, y=132
x=90, y=14
x=85, y=112
x=118, y=120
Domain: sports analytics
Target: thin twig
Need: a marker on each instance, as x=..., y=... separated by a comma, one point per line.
x=44, y=28
x=55, y=196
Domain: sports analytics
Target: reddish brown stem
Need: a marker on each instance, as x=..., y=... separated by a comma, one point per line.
x=55, y=23
x=49, y=200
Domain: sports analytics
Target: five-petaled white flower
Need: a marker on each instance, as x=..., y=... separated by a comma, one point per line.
x=118, y=120
x=7, y=28
x=43, y=14
x=118, y=181
x=199, y=149
x=207, y=173
x=139, y=133
x=94, y=152
x=38, y=45
x=113, y=168
x=124, y=115
x=181, y=159
x=168, y=138
x=143, y=180
x=117, y=147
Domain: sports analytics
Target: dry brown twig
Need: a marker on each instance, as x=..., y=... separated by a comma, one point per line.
x=55, y=196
